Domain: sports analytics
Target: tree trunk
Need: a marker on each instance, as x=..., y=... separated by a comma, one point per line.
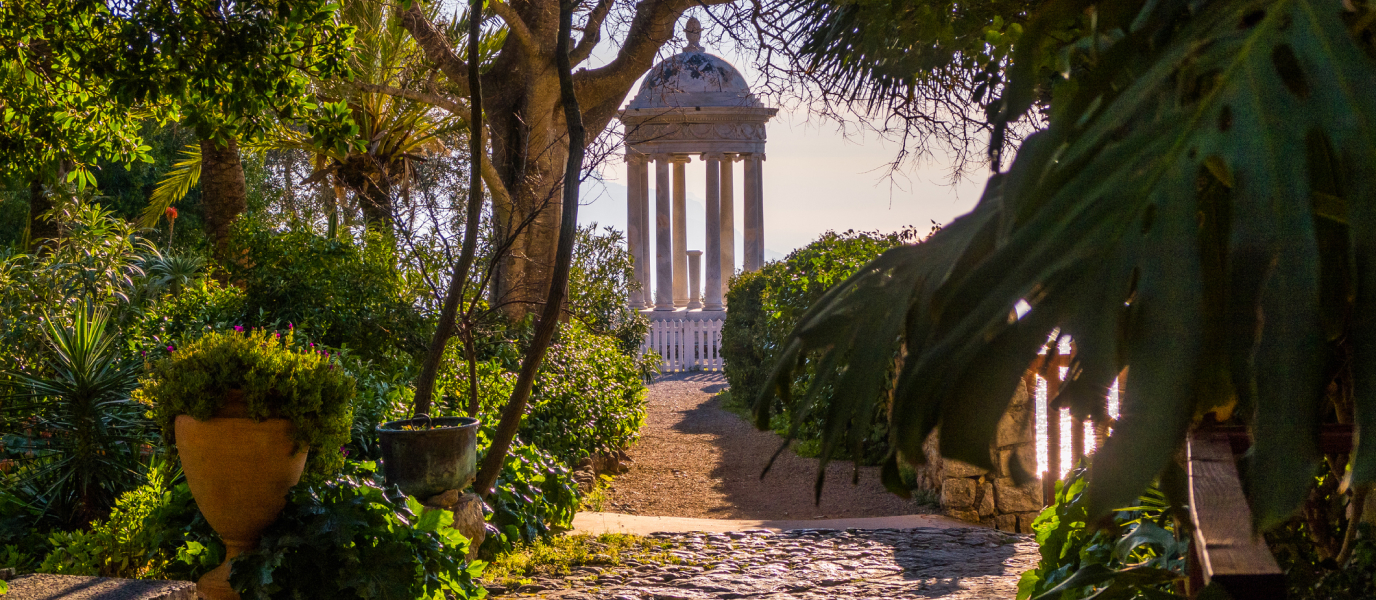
x=529, y=149
x=224, y=194
x=40, y=230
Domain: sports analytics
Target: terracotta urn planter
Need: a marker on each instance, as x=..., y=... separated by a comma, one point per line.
x=239, y=472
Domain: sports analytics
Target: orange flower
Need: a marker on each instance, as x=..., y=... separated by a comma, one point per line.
x=171, y=213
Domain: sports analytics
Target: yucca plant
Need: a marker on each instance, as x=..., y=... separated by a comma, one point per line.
x=73, y=434
x=1200, y=210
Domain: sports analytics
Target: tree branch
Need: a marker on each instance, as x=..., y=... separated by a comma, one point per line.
x=430, y=98
x=592, y=32
x=651, y=28
x=516, y=26
x=489, y=172
x=436, y=48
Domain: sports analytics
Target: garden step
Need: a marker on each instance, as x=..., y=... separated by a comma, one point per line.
x=74, y=587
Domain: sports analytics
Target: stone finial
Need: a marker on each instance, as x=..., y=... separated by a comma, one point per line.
x=693, y=31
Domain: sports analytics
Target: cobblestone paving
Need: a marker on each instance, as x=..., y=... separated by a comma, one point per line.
x=813, y=563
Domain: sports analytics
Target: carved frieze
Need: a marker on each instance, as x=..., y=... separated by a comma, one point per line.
x=710, y=132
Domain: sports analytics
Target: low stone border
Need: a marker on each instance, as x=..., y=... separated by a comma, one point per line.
x=925, y=562
x=42, y=586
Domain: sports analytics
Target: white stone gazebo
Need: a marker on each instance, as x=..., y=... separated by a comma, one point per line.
x=692, y=103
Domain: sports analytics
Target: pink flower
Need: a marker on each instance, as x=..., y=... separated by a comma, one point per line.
x=239, y=328
x=169, y=348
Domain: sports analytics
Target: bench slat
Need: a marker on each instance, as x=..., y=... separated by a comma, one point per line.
x=1228, y=551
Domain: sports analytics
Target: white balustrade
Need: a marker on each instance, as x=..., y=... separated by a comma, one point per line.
x=686, y=344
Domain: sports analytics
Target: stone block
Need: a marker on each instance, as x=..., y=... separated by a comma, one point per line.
x=1026, y=454
x=1017, y=425
x=73, y=587
x=468, y=516
x=1025, y=521
x=1013, y=498
x=955, y=468
x=1006, y=523
x=958, y=494
x=986, y=499
x=969, y=516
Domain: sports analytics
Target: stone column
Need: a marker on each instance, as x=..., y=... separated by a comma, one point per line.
x=694, y=279
x=728, y=225
x=664, y=245
x=643, y=173
x=680, y=233
x=713, y=233
x=754, y=212
x=633, y=242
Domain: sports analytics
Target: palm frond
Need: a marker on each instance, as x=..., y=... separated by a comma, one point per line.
x=174, y=186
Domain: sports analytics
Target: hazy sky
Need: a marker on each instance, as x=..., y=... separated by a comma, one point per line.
x=815, y=179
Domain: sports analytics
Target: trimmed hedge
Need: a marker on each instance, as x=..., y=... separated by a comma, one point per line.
x=766, y=305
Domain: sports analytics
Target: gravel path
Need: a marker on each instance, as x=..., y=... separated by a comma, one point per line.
x=930, y=563
x=695, y=459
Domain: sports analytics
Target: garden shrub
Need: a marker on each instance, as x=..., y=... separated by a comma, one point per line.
x=276, y=381
x=588, y=398
x=98, y=263
x=345, y=538
x=1312, y=571
x=766, y=305
x=341, y=292
x=154, y=532
x=601, y=277
x=204, y=304
x=534, y=497
x=1144, y=556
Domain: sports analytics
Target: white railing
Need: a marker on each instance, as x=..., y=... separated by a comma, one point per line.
x=686, y=344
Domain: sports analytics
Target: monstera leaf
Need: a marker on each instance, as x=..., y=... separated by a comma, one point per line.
x=1200, y=210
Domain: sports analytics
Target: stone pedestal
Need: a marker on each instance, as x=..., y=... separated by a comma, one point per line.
x=694, y=279
x=468, y=516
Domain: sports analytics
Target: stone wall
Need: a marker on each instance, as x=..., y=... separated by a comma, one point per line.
x=990, y=497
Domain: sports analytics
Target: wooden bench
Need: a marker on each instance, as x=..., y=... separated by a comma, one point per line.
x=1224, y=548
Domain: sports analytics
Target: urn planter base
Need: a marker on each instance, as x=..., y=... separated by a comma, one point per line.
x=239, y=472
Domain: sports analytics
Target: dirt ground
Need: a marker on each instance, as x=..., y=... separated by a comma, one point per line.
x=695, y=459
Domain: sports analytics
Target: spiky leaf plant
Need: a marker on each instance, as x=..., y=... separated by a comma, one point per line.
x=73, y=433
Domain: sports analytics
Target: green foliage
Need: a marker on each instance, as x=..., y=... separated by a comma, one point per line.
x=344, y=294
x=274, y=380
x=588, y=398
x=72, y=434
x=225, y=73
x=1139, y=557
x=1161, y=214
x=201, y=305
x=556, y=557
x=346, y=538
x=534, y=497
x=98, y=261
x=766, y=306
x=1310, y=549
x=154, y=532
x=601, y=278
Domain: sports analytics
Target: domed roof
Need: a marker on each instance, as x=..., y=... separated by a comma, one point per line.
x=693, y=78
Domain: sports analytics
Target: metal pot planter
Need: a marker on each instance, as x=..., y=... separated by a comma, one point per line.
x=425, y=456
